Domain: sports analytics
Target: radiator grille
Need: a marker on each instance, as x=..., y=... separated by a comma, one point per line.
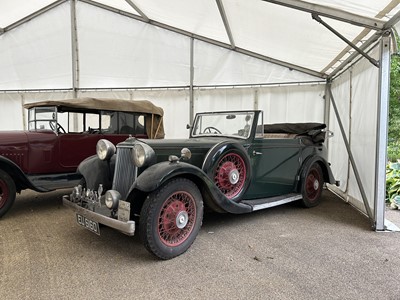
x=125, y=172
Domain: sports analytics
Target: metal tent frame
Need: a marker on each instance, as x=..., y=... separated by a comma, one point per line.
x=382, y=36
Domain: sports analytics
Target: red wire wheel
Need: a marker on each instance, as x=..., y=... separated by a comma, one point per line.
x=177, y=218
x=4, y=193
x=230, y=175
x=171, y=217
x=312, y=186
x=7, y=192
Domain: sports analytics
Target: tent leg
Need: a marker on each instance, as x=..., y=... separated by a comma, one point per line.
x=382, y=132
x=352, y=161
x=191, y=91
x=74, y=45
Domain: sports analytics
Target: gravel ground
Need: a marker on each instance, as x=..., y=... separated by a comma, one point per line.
x=287, y=252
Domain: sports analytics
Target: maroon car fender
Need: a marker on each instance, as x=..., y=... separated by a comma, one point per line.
x=156, y=175
x=15, y=172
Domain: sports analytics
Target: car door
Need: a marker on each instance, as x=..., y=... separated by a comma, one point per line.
x=275, y=164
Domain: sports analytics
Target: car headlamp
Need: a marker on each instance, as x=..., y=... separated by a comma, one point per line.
x=142, y=154
x=111, y=199
x=105, y=149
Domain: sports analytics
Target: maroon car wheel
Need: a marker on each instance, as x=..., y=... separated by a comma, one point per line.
x=171, y=218
x=312, y=186
x=230, y=174
x=7, y=192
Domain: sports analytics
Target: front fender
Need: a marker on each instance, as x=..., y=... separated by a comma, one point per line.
x=156, y=175
x=96, y=171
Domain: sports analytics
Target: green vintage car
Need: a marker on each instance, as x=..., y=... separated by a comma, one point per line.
x=231, y=163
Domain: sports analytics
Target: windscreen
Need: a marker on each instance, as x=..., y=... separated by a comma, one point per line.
x=232, y=124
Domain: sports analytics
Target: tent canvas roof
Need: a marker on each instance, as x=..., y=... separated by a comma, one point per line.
x=280, y=31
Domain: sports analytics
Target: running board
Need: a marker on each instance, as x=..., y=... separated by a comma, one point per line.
x=273, y=201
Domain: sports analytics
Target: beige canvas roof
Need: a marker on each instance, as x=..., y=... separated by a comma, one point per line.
x=154, y=124
x=143, y=106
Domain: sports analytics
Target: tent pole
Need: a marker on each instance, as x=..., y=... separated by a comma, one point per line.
x=352, y=161
x=75, y=54
x=191, y=90
x=382, y=132
x=327, y=110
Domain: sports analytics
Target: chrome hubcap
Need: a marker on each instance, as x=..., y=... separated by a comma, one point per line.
x=316, y=184
x=182, y=219
x=234, y=176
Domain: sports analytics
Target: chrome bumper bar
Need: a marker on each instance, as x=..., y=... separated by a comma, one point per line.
x=127, y=228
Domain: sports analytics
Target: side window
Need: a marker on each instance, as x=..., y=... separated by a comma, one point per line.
x=75, y=122
x=41, y=118
x=109, y=122
x=260, y=126
x=92, y=123
x=130, y=123
x=140, y=124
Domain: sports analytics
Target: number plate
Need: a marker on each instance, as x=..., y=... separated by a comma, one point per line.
x=90, y=225
x=124, y=211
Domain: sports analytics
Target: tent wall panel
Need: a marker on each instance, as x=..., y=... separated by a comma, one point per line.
x=292, y=103
x=363, y=128
x=359, y=116
x=37, y=55
x=341, y=89
x=219, y=66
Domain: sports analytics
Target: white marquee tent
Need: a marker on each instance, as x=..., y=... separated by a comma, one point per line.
x=325, y=61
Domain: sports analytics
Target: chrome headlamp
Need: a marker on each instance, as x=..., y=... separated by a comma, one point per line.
x=142, y=154
x=111, y=199
x=105, y=149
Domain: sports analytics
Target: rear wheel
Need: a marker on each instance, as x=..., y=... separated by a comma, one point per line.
x=171, y=218
x=7, y=192
x=312, y=186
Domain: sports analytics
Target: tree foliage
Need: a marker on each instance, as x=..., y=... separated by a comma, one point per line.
x=394, y=104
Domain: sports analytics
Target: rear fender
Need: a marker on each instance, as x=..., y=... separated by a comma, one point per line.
x=156, y=175
x=326, y=170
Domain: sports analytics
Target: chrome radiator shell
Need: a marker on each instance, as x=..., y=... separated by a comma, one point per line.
x=125, y=171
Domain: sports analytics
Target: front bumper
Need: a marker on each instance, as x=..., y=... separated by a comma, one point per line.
x=127, y=228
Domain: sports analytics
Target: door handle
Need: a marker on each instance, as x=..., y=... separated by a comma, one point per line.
x=256, y=153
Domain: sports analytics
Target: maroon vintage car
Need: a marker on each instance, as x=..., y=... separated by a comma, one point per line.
x=61, y=134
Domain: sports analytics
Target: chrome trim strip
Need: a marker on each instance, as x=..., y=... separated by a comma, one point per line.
x=276, y=203
x=127, y=228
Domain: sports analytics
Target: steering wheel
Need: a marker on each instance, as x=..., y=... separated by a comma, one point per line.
x=209, y=129
x=59, y=127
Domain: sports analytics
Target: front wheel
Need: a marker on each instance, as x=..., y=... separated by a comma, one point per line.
x=312, y=186
x=7, y=192
x=171, y=218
